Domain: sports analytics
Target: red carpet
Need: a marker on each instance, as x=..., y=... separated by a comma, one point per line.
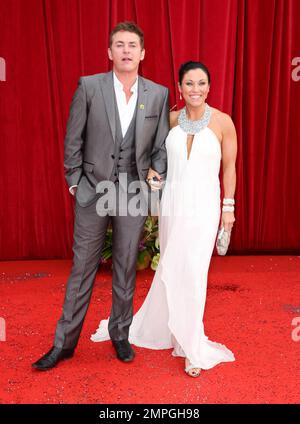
x=251, y=303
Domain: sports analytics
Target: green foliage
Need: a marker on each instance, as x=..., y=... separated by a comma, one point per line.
x=107, y=248
x=148, y=248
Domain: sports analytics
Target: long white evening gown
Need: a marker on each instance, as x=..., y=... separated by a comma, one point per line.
x=172, y=313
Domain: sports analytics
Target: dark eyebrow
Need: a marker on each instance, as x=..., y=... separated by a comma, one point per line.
x=202, y=80
x=122, y=42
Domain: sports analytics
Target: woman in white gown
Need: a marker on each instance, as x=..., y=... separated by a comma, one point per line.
x=172, y=313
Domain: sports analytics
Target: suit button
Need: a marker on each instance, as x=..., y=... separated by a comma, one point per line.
x=112, y=156
x=120, y=158
x=121, y=150
x=115, y=174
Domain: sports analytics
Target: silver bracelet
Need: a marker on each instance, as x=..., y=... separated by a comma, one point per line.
x=228, y=209
x=227, y=201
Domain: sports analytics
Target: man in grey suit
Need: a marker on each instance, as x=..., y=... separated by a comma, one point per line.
x=117, y=125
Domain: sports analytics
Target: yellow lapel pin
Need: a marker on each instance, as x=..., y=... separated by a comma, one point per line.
x=142, y=106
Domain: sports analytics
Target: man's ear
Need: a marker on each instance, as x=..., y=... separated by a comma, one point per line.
x=143, y=54
x=109, y=53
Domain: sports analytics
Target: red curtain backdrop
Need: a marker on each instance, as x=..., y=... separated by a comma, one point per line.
x=249, y=47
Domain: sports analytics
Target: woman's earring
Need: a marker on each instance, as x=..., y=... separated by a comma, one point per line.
x=180, y=96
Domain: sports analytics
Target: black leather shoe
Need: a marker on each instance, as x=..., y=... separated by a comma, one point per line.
x=124, y=351
x=51, y=358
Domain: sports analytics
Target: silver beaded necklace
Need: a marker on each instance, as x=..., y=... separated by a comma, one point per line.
x=193, y=127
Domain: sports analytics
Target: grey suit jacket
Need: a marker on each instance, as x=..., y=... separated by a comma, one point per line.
x=91, y=130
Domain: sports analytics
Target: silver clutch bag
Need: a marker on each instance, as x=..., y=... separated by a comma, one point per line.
x=223, y=240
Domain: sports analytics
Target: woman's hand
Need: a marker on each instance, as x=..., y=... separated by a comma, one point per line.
x=151, y=174
x=154, y=185
x=227, y=220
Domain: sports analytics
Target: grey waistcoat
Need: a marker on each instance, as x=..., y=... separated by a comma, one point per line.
x=124, y=154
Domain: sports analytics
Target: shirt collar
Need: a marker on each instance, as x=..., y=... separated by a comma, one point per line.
x=119, y=86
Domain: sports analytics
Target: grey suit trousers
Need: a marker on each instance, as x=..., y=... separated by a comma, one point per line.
x=89, y=236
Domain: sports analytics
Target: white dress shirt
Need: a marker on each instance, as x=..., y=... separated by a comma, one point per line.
x=126, y=110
